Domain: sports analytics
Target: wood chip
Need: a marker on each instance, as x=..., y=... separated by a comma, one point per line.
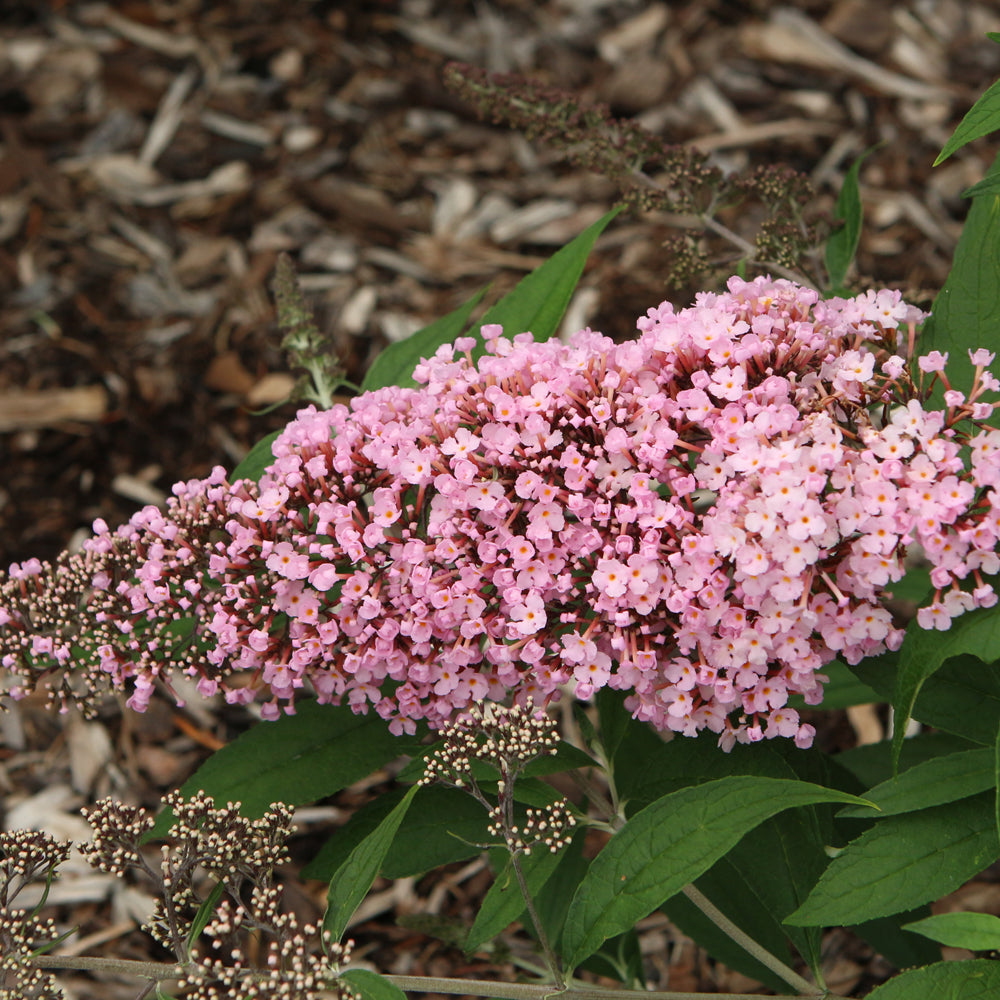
x=791, y=36
x=26, y=409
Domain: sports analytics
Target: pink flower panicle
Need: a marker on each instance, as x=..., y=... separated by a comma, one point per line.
x=702, y=517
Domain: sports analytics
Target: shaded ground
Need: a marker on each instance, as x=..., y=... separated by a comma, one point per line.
x=155, y=157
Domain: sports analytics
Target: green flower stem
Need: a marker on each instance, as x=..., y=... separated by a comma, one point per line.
x=750, y=946
x=529, y=991
x=543, y=939
x=158, y=972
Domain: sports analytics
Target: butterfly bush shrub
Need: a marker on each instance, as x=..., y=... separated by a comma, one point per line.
x=702, y=518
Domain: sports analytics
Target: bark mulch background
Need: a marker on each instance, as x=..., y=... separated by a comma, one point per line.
x=157, y=155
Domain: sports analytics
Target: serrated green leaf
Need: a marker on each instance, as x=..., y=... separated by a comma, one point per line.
x=925, y=651
x=296, y=759
x=966, y=312
x=668, y=845
x=257, y=459
x=353, y=879
x=842, y=244
x=975, y=931
x=978, y=979
x=981, y=119
x=394, y=365
x=902, y=862
x=504, y=903
x=371, y=986
x=932, y=783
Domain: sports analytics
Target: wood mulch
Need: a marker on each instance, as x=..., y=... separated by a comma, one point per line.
x=157, y=155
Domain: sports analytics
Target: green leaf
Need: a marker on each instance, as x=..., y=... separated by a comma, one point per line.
x=933, y=783
x=646, y=768
x=966, y=312
x=924, y=651
x=978, y=979
x=553, y=904
x=842, y=245
x=539, y=300
x=204, y=914
x=996, y=780
x=613, y=719
x=780, y=862
x=353, y=879
x=257, y=459
x=841, y=691
x=537, y=303
x=669, y=844
x=981, y=119
x=444, y=827
x=915, y=586
x=504, y=904
x=872, y=764
x=296, y=759
x=903, y=949
x=975, y=931
x=619, y=958
x=394, y=365
x=988, y=185
x=371, y=986
x=904, y=861
x=945, y=698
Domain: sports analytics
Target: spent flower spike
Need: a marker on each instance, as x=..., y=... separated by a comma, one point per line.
x=702, y=518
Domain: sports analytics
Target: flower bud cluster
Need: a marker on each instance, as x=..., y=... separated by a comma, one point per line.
x=25, y=856
x=702, y=518
x=505, y=737
x=551, y=827
x=203, y=839
x=292, y=966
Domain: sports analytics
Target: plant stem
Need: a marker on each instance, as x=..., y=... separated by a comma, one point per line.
x=158, y=972
x=530, y=991
x=550, y=956
x=750, y=946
